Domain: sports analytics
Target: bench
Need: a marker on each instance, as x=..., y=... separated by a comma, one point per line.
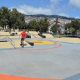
x=31, y=43
x=43, y=36
x=28, y=36
x=3, y=41
x=13, y=34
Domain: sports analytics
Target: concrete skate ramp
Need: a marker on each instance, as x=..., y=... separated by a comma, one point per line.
x=17, y=44
x=68, y=40
x=34, y=34
x=6, y=45
x=4, y=33
x=48, y=35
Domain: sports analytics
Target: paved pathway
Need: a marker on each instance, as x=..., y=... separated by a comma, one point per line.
x=60, y=61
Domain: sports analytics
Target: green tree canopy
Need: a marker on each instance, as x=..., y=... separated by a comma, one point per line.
x=44, y=24
x=33, y=25
x=12, y=18
x=73, y=26
x=4, y=16
x=71, y=29
x=53, y=29
x=68, y=25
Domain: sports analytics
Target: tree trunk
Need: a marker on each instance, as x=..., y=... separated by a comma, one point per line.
x=5, y=26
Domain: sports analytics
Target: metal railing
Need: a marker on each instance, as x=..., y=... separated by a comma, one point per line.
x=32, y=35
x=6, y=38
x=11, y=41
x=3, y=38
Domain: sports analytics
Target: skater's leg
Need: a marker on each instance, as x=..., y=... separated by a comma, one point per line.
x=22, y=41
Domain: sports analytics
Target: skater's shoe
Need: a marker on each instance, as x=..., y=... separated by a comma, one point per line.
x=20, y=44
x=23, y=46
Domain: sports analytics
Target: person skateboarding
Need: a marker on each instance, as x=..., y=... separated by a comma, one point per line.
x=23, y=37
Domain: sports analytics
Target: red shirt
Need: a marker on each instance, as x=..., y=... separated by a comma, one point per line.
x=23, y=34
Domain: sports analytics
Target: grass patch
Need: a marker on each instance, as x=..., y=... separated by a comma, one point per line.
x=59, y=36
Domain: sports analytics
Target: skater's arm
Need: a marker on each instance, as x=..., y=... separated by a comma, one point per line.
x=25, y=36
x=19, y=35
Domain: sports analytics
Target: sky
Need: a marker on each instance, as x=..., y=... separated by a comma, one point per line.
x=68, y=8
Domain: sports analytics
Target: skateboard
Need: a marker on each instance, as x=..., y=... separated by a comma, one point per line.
x=22, y=45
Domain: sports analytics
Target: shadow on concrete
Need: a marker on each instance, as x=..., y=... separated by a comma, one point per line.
x=25, y=44
x=73, y=36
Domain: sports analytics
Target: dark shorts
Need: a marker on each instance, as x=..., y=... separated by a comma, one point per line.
x=22, y=39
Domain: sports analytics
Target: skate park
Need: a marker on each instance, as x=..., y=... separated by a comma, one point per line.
x=49, y=58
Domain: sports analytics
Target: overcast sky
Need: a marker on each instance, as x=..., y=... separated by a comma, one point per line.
x=69, y=8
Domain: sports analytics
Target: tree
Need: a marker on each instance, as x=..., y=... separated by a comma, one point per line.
x=4, y=15
x=53, y=29
x=16, y=19
x=73, y=26
x=33, y=25
x=71, y=29
x=41, y=25
x=44, y=24
x=68, y=25
x=12, y=18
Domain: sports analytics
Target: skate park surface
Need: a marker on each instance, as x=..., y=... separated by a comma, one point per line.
x=49, y=59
